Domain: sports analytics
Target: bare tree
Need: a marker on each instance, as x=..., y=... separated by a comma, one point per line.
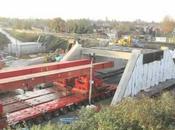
x=168, y=24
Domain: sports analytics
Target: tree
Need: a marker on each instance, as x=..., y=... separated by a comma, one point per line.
x=79, y=26
x=71, y=26
x=57, y=25
x=84, y=26
x=21, y=24
x=168, y=24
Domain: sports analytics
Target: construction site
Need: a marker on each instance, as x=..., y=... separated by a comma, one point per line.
x=82, y=74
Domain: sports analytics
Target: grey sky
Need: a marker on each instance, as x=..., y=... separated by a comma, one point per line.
x=149, y=10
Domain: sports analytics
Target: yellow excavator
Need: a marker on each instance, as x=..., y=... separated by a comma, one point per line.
x=125, y=41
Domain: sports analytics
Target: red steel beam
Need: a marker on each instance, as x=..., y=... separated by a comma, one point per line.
x=31, y=102
x=41, y=68
x=31, y=80
x=41, y=109
x=26, y=96
x=35, y=111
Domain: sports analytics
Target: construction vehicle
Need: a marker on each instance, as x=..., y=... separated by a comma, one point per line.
x=124, y=41
x=70, y=87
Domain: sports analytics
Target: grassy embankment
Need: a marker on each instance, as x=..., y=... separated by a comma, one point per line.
x=50, y=41
x=23, y=36
x=29, y=36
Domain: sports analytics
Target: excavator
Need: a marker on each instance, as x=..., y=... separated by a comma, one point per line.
x=124, y=41
x=130, y=41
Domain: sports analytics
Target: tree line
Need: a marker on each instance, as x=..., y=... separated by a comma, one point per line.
x=80, y=26
x=84, y=26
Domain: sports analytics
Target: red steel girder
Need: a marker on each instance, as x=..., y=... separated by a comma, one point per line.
x=41, y=109
x=30, y=99
x=41, y=68
x=26, y=96
x=31, y=80
x=31, y=102
x=35, y=111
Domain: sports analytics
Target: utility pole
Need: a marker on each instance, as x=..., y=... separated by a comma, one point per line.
x=92, y=56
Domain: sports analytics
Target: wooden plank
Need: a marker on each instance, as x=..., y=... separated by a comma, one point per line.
x=158, y=88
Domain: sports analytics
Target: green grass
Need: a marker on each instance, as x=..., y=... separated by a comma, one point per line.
x=130, y=114
x=23, y=36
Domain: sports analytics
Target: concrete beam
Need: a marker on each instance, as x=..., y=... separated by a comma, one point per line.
x=74, y=53
x=107, y=53
x=123, y=84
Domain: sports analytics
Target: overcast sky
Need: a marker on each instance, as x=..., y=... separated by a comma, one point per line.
x=148, y=10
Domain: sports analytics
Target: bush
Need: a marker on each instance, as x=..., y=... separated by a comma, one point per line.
x=3, y=41
x=52, y=42
x=130, y=114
